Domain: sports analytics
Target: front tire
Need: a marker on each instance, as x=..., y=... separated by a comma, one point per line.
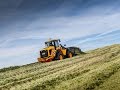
x=69, y=55
x=59, y=56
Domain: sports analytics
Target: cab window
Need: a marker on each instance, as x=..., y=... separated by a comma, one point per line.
x=47, y=44
x=56, y=44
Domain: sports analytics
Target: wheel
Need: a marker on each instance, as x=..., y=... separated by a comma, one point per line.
x=60, y=57
x=70, y=55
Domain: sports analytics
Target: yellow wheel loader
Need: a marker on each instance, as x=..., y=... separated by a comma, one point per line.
x=55, y=51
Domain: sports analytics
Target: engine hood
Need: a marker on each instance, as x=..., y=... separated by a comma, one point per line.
x=48, y=48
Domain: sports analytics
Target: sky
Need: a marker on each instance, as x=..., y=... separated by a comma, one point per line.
x=26, y=24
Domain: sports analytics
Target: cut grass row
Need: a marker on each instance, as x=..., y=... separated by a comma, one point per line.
x=37, y=66
x=113, y=83
x=33, y=68
x=38, y=74
x=64, y=74
x=42, y=73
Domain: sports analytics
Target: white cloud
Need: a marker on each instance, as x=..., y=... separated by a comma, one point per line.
x=63, y=27
x=72, y=27
x=17, y=51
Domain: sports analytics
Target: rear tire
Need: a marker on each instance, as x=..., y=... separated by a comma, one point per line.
x=70, y=55
x=60, y=57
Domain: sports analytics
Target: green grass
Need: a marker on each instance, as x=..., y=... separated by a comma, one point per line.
x=98, y=69
x=112, y=83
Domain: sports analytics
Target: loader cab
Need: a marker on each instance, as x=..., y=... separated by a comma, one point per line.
x=54, y=43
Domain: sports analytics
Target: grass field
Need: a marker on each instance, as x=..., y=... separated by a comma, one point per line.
x=98, y=69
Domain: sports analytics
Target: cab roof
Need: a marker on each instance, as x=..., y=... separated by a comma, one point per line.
x=50, y=40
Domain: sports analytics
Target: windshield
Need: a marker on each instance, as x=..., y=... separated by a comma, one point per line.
x=47, y=44
x=52, y=43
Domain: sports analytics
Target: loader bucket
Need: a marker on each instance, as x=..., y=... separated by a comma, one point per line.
x=44, y=60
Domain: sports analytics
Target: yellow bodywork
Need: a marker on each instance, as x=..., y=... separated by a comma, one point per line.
x=52, y=55
x=52, y=50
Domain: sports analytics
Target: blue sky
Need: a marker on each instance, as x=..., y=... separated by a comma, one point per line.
x=26, y=24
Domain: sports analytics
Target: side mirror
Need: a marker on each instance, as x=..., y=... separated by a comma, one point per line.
x=59, y=40
x=64, y=44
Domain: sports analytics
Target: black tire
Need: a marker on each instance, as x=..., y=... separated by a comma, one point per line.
x=69, y=54
x=58, y=54
x=61, y=57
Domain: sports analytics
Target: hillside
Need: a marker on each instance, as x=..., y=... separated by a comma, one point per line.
x=98, y=69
